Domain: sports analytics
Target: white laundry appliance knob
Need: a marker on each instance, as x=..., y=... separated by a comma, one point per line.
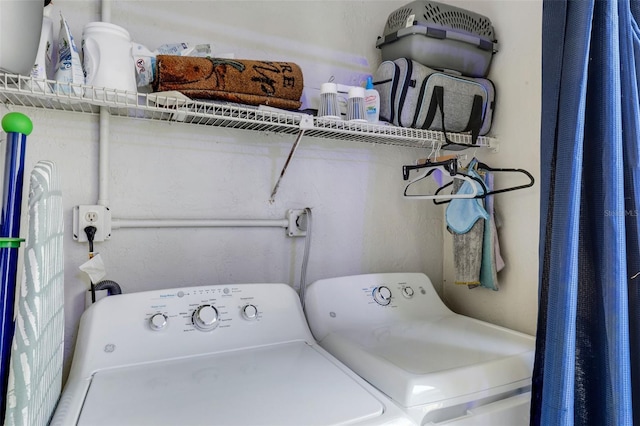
x=382, y=295
x=249, y=312
x=158, y=321
x=407, y=292
x=205, y=317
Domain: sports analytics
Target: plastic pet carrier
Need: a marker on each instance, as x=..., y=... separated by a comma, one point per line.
x=440, y=36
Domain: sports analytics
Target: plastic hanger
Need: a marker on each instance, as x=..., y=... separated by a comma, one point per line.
x=484, y=166
x=450, y=167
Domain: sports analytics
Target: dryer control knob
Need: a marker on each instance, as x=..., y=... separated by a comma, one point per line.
x=158, y=321
x=250, y=312
x=382, y=295
x=205, y=317
x=407, y=292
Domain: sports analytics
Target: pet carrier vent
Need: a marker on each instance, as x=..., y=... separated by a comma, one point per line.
x=459, y=19
x=398, y=19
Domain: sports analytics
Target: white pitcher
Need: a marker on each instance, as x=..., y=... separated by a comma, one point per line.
x=108, y=59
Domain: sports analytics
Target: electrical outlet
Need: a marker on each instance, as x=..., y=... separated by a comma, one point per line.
x=98, y=216
x=297, y=223
x=91, y=216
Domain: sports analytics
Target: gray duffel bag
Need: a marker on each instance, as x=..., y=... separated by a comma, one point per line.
x=413, y=95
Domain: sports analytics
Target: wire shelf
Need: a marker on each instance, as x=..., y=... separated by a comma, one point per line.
x=47, y=94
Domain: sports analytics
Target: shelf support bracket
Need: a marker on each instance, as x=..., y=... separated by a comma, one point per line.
x=306, y=122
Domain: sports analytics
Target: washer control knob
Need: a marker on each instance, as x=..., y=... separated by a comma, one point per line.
x=250, y=312
x=205, y=317
x=382, y=295
x=158, y=321
x=407, y=292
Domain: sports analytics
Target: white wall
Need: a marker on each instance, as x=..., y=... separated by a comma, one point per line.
x=361, y=223
x=516, y=72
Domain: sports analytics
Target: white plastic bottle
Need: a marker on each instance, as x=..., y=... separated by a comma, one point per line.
x=45, y=64
x=371, y=102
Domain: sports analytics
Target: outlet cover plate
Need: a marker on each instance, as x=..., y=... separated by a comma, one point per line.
x=296, y=228
x=98, y=216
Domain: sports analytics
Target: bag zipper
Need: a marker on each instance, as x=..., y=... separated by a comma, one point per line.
x=405, y=86
x=394, y=91
x=423, y=88
x=394, y=83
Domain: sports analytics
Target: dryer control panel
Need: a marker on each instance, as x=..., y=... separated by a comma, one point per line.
x=174, y=323
x=365, y=301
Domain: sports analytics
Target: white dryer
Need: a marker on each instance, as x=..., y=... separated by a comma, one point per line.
x=441, y=367
x=216, y=355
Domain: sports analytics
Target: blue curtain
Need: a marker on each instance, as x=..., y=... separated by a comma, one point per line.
x=587, y=357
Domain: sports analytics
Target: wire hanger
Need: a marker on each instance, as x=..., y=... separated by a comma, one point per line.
x=449, y=166
x=484, y=166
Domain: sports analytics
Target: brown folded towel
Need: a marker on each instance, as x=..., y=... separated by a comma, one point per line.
x=277, y=84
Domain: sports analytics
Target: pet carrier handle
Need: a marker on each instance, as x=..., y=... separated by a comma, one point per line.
x=476, y=40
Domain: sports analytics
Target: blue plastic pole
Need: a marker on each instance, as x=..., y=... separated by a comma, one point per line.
x=17, y=126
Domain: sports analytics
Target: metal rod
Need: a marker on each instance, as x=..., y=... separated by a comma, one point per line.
x=198, y=223
x=286, y=164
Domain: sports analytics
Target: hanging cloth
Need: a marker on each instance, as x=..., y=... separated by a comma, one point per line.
x=492, y=261
x=462, y=213
x=588, y=319
x=466, y=220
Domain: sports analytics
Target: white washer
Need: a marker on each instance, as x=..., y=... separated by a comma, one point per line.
x=217, y=355
x=441, y=367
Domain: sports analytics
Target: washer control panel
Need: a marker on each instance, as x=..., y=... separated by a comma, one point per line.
x=162, y=324
x=203, y=308
x=367, y=301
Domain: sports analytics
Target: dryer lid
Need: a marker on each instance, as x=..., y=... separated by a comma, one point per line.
x=286, y=384
x=422, y=362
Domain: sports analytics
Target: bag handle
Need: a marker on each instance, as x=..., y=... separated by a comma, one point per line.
x=474, y=124
x=475, y=119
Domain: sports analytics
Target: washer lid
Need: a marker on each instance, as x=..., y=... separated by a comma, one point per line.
x=420, y=362
x=287, y=384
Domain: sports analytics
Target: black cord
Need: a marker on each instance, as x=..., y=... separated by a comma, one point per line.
x=91, y=233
